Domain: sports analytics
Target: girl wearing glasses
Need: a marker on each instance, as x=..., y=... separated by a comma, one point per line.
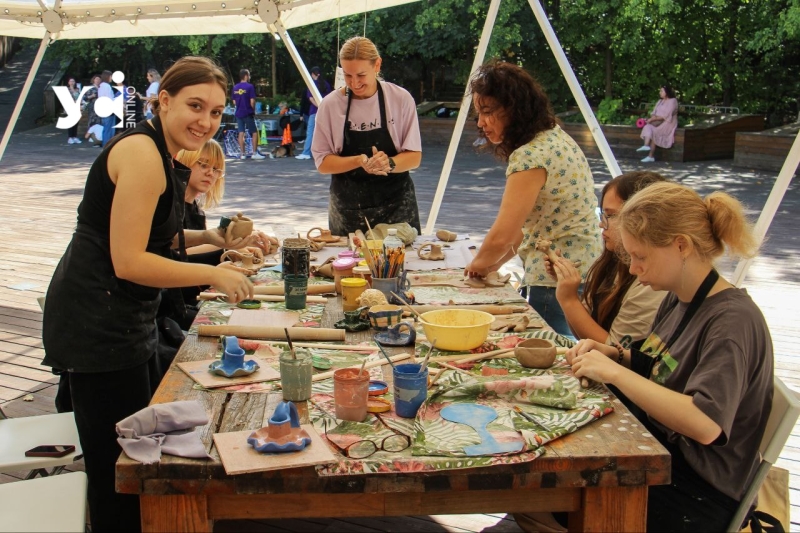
x=702, y=382
x=614, y=307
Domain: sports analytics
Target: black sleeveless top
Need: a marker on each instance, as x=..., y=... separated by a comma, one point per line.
x=93, y=320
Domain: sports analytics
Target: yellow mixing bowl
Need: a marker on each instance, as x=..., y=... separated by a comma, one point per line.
x=456, y=329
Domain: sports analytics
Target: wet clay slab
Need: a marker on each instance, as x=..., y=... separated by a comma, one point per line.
x=238, y=457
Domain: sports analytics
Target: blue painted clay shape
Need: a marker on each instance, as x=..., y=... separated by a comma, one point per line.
x=478, y=417
x=283, y=434
x=232, y=364
x=396, y=337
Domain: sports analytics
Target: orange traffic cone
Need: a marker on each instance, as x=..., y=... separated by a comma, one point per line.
x=287, y=135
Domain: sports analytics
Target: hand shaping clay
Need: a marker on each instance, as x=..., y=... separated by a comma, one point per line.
x=545, y=246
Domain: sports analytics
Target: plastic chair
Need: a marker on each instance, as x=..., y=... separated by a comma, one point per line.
x=20, y=434
x=782, y=418
x=45, y=504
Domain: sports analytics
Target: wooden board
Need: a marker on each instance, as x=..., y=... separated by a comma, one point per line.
x=238, y=457
x=264, y=317
x=198, y=371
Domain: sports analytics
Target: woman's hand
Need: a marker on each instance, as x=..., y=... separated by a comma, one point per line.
x=216, y=237
x=596, y=366
x=378, y=164
x=262, y=241
x=474, y=270
x=567, y=277
x=230, y=266
x=587, y=345
x=235, y=285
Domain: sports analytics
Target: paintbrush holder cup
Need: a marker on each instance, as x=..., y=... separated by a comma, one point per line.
x=410, y=389
x=350, y=394
x=296, y=375
x=295, y=289
x=389, y=285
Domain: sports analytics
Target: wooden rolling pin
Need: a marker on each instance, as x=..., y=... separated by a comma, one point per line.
x=491, y=309
x=317, y=288
x=368, y=365
x=270, y=332
x=262, y=297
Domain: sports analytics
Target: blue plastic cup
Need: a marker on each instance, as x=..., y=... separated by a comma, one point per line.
x=410, y=389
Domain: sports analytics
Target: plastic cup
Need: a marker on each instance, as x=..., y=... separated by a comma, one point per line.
x=295, y=289
x=296, y=375
x=350, y=394
x=410, y=389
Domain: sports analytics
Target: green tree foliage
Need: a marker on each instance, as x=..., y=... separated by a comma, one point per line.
x=744, y=53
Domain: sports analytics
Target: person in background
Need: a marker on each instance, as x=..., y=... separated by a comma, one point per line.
x=324, y=89
x=367, y=137
x=74, y=89
x=95, y=134
x=661, y=125
x=549, y=192
x=244, y=98
x=99, y=316
x=104, y=90
x=702, y=381
x=154, y=79
x=615, y=307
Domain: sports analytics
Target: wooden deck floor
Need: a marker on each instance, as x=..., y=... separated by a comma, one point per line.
x=42, y=182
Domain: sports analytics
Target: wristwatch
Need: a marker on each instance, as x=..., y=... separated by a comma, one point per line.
x=391, y=165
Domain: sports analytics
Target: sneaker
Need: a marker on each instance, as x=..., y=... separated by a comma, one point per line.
x=75, y=140
x=301, y=142
x=644, y=148
x=257, y=156
x=302, y=156
x=70, y=141
x=648, y=159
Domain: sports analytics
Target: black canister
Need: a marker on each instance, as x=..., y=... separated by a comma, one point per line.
x=295, y=257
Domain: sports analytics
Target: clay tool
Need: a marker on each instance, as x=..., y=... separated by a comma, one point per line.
x=447, y=367
x=384, y=353
x=361, y=370
x=270, y=332
x=424, y=364
x=531, y=418
x=408, y=306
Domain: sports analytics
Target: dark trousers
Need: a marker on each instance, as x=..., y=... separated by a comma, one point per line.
x=100, y=400
x=73, y=132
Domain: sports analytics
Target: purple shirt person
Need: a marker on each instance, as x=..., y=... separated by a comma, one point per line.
x=244, y=98
x=324, y=88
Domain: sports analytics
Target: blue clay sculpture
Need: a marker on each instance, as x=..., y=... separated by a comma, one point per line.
x=395, y=336
x=232, y=364
x=283, y=434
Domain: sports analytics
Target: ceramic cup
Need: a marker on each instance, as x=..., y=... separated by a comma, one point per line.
x=350, y=393
x=410, y=389
x=296, y=375
x=389, y=285
x=295, y=289
x=381, y=317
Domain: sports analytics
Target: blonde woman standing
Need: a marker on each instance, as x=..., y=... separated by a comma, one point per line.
x=367, y=137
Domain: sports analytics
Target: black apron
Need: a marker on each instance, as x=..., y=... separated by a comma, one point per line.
x=357, y=194
x=93, y=320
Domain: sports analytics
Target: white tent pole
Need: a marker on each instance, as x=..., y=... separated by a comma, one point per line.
x=771, y=206
x=23, y=94
x=575, y=87
x=480, y=54
x=298, y=61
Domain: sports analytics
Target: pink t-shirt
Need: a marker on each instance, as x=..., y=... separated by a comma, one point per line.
x=365, y=115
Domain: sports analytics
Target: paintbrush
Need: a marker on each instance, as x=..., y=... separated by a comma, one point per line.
x=447, y=367
x=366, y=252
x=384, y=353
x=531, y=418
x=289, y=340
x=361, y=370
x=369, y=229
x=401, y=300
x=424, y=364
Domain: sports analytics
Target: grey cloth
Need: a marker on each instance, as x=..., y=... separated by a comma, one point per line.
x=163, y=428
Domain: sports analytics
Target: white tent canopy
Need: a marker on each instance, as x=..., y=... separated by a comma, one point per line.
x=97, y=19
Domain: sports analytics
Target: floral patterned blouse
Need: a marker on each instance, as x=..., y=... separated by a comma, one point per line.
x=566, y=208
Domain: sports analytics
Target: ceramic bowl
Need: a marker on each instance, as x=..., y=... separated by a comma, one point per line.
x=535, y=353
x=382, y=317
x=456, y=329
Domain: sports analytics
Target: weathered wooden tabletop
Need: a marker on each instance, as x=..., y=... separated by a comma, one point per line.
x=599, y=474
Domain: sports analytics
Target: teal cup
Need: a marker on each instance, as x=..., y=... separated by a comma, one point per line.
x=295, y=288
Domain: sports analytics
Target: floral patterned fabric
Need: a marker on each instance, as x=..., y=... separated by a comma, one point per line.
x=552, y=398
x=453, y=290
x=565, y=210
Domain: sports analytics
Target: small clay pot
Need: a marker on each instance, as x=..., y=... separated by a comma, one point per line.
x=239, y=228
x=382, y=317
x=324, y=236
x=535, y=353
x=446, y=236
x=431, y=252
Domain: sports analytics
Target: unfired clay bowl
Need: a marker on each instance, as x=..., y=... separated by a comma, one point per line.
x=535, y=353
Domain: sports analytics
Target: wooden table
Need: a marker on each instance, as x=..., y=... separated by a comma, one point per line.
x=599, y=474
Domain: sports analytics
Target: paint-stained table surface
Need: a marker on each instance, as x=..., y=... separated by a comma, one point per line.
x=599, y=474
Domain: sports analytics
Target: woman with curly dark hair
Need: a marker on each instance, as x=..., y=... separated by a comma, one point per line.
x=549, y=190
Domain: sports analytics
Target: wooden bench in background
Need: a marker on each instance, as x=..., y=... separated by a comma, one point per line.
x=764, y=150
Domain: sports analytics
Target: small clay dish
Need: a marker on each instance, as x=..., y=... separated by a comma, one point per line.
x=223, y=368
x=535, y=353
x=321, y=363
x=249, y=304
x=378, y=387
